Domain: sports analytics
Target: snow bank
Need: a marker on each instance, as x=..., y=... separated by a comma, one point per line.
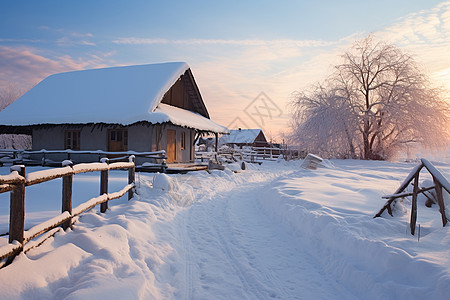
x=370, y=256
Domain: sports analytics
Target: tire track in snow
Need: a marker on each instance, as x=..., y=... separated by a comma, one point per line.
x=186, y=242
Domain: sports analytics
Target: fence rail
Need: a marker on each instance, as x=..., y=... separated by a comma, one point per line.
x=440, y=183
x=17, y=181
x=29, y=156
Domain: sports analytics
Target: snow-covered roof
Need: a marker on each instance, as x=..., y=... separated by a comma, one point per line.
x=182, y=117
x=119, y=95
x=240, y=136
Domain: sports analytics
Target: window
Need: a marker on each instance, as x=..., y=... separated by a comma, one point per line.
x=183, y=140
x=72, y=139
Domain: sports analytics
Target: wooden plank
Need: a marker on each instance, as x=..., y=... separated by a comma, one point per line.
x=401, y=188
x=413, y=219
x=6, y=188
x=401, y=195
x=440, y=200
x=438, y=175
x=47, y=175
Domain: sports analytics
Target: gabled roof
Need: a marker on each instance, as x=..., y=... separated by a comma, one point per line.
x=117, y=95
x=240, y=136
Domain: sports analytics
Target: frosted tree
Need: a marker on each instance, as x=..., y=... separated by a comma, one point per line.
x=9, y=94
x=376, y=102
x=323, y=122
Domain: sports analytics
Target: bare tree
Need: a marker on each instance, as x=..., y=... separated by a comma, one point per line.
x=375, y=103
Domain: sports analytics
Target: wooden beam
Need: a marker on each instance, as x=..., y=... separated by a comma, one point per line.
x=412, y=223
x=402, y=187
x=440, y=200
x=401, y=195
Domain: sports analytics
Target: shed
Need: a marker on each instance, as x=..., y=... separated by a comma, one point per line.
x=141, y=108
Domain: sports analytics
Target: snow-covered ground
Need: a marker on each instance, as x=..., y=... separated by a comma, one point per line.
x=273, y=231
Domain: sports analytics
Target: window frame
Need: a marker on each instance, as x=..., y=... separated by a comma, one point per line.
x=69, y=141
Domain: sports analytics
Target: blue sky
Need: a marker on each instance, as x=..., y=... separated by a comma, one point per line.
x=236, y=49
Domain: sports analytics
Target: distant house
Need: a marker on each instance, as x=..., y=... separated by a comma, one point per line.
x=244, y=137
x=142, y=108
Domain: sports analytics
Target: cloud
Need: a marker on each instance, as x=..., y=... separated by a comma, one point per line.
x=230, y=79
x=77, y=34
x=426, y=35
x=25, y=67
x=244, y=42
x=70, y=41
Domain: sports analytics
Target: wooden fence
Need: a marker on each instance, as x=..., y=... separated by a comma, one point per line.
x=440, y=182
x=29, y=157
x=17, y=181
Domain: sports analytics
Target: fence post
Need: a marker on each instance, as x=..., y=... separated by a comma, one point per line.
x=131, y=177
x=67, y=198
x=440, y=200
x=104, y=186
x=414, y=204
x=17, y=208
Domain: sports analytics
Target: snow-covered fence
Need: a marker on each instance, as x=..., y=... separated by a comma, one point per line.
x=259, y=154
x=205, y=156
x=17, y=181
x=440, y=182
x=55, y=157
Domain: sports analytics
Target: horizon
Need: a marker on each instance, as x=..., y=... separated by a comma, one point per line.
x=247, y=58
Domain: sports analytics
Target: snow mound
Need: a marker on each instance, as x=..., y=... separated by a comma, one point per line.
x=234, y=167
x=162, y=181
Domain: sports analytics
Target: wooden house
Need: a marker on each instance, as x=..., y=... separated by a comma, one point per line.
x=244, y=137
x=141, y=108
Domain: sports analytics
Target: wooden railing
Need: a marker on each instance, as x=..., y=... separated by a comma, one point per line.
x=22, y=156
x=440, y=182
x=17, y=181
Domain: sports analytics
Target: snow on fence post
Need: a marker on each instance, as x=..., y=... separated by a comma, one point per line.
x=104, y=185
x=131, y=176
x=67, y=195
x=17, y=208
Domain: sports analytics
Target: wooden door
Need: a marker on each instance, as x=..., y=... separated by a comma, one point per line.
x=171, y=145
x=117, y=140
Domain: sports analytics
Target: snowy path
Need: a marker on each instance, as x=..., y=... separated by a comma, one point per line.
x=272, y=232
x=232, y=250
